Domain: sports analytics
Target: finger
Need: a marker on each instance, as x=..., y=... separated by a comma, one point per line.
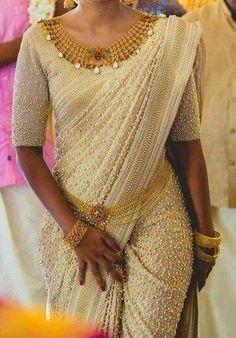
x=82, y=271
x=111, y=269
x=111, y=243
x=112, y=257
x=107, y=265
x=97, y=275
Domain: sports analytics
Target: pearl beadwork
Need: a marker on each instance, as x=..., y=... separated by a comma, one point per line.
x=60, y=55
x=77, y=65
x=96, y=70
x=48, y=37
x=115, y=65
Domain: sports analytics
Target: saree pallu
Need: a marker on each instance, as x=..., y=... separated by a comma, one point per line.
x=111, y=154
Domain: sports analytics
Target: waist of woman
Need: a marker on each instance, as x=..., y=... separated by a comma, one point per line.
x=127, y=210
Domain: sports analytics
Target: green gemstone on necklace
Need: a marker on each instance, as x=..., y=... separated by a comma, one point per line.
x=90, y=53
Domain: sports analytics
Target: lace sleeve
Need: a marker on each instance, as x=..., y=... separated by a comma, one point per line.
x=31, y=97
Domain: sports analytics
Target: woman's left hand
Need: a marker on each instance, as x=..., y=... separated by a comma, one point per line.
x=203, y=271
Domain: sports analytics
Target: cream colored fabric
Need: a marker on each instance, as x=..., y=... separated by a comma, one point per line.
x=217, y=301
x=219, y=119
x=112, y=130
x=20, y=222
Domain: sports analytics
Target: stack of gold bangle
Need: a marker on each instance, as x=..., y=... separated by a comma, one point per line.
x=76, y=234
x=206, y=242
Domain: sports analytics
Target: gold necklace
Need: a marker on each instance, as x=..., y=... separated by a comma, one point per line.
x=94, y=58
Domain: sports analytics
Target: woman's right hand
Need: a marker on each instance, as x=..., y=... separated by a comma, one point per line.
x=97, y=250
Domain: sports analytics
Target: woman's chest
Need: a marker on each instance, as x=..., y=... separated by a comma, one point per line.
x=70, y=88
x=13, y=18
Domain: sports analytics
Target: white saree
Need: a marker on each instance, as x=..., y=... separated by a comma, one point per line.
x=112, y=131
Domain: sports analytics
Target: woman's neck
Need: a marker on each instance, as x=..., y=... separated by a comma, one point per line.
x=101, y=11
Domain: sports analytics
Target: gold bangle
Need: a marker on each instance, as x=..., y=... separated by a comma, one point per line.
x=203, y=256
x=76, y=234
x=208, y=242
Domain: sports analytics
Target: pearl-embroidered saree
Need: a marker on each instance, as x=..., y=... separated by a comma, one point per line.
x=111, y=137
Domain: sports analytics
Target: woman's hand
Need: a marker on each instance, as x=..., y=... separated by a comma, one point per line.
x=97, y=250
x=203, y=271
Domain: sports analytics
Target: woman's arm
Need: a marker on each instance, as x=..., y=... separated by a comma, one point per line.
x=192, y=170
x=191, y=162
x=96, y=248
x=39, y=177
x=9, y=51
x=30, y=112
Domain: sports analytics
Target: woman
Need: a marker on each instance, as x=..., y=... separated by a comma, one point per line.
x=117, y=244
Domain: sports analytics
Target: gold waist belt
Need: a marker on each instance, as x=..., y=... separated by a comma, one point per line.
x=131, y=209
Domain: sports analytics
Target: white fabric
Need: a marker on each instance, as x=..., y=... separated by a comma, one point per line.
x=20, y=222
x=217, y=301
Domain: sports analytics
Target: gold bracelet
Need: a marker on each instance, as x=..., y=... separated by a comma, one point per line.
x=208, y=242
x=76, y=234
x=203, y=256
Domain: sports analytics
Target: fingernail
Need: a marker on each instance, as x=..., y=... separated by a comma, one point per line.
x=103, y=288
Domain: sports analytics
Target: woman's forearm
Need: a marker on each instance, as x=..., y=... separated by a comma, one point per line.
x=42, y=182
x=9, y=51
x=193, y=167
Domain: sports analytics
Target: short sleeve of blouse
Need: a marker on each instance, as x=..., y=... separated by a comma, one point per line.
x=31, y=96
x=186, y=126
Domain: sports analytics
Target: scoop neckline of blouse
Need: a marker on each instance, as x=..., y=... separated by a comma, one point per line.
x=143, y=15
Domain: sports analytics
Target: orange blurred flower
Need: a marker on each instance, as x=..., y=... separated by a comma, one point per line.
x=17, y=322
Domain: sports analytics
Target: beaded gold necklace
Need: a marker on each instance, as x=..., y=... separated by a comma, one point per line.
x=94, y=58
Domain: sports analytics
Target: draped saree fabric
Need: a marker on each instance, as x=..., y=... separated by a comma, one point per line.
x=111, y=135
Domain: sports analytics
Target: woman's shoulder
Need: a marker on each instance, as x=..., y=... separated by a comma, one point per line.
x=36, y=34
x=179, y=28
x=183, y=24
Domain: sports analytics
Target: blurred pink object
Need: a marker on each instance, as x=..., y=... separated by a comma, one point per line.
x=13, y=23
